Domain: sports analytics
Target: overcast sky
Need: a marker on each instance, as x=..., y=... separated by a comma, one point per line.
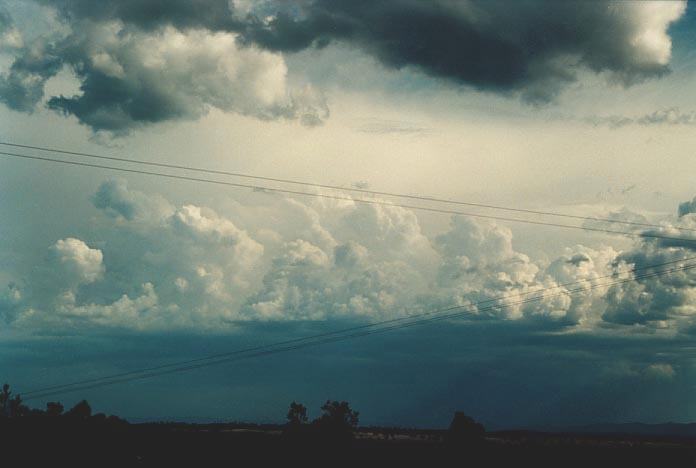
x=582, y=108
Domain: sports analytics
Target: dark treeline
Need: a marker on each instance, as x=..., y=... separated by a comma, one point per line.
x=337, y=422
x=74, y=437
x=12, y=409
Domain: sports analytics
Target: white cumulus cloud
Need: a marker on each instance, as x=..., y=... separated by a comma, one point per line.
x=78, y=260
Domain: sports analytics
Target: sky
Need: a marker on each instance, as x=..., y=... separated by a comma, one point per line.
x=578, y=107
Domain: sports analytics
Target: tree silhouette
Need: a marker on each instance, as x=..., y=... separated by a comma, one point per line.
x=297, y=414
x=54, y=408
x=11, y=406
x=464, y=430
x=17, y=409
x=338, y=420
x=82, y=410
x=5, y=399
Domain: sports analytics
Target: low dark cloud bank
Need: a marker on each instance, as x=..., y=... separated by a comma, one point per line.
x=506, y=374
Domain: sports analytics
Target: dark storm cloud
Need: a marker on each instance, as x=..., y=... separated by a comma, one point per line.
x=22, y=87
x=143, y=62
x=150, y=14
x=535, y=47
x=146, y=61
x=5, y=20
x=401, y=33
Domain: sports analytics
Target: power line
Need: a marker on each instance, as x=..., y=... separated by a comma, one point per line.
x=318, y=339
x=351, y=199
x=337, y=187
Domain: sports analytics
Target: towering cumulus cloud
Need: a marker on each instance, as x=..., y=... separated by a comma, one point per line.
x=162, y=266
x=78, y=260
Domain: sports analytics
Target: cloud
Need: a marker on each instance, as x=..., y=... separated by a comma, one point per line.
x=534, y=48
x=385, y=127
x=150, y=14
x=351, y=260
x=78, y=260
x=149, y=61
x=578, y=259
x=200, y=264
x=155, y=269
x=161, y=266
x=388, y=232
x=366, y=261
x=687, y=207
x=615, y=220
x=22, y=87
x=306, y=283
x=115, y=198
x=10, y=37
x=350, y=255
x=669, y=116
x=678, y=233
x=206, y=226
x=130, y=77
x=124, y=312
x=660, y=371
x=10, y=302
x=580, y=270
x=656, y=300
x=672, y=116
x=480, y=263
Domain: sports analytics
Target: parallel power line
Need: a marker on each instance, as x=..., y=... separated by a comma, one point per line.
x=338, y=187
x=645, y=234
x=341, y=335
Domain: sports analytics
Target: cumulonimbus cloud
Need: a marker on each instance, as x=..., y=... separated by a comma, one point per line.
x=161, y=266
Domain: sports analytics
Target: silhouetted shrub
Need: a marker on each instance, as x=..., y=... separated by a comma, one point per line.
x=53, y=408
x=5, y=396
x=465, y=431
x=116, y=421
x=11, y=406
x=338, y=420
x=297, y=431
x=82, y=410
x=297, y=414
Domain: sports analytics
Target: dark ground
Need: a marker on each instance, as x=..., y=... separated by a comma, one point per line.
x=109, y=443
